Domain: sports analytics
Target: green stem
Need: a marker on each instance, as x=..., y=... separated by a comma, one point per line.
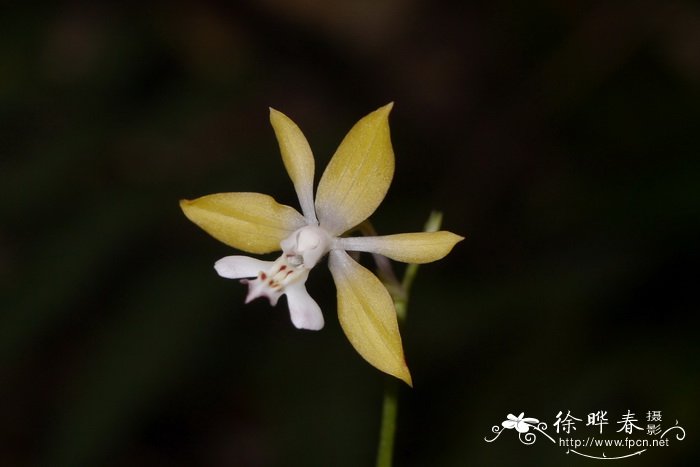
x=390, y=405
x=387, y=432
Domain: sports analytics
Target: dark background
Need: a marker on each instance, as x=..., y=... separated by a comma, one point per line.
x=561, y=138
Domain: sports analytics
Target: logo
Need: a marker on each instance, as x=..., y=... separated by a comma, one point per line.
x=598, y=438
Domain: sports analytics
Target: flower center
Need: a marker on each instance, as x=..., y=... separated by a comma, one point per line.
x=300, y=252
x=306, y=246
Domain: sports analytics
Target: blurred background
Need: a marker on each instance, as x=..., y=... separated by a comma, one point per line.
x=561, y=138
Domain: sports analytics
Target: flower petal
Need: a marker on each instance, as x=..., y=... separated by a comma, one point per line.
x=420, y=247
x=304, y=311
x=251, y=222
x=298, y=160
x=508, y=424
x=238, y=267
x=367, y=316
x=359, y=174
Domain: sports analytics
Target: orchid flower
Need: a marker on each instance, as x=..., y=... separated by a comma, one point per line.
x=350, y=190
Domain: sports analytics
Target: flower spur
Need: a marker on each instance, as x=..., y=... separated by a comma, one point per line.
x=350, y=190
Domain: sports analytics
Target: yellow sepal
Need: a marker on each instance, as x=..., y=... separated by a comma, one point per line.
x=359, y=174
x=419, y=247
x=367, y=316
x=251, y=222
x=298, y=160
